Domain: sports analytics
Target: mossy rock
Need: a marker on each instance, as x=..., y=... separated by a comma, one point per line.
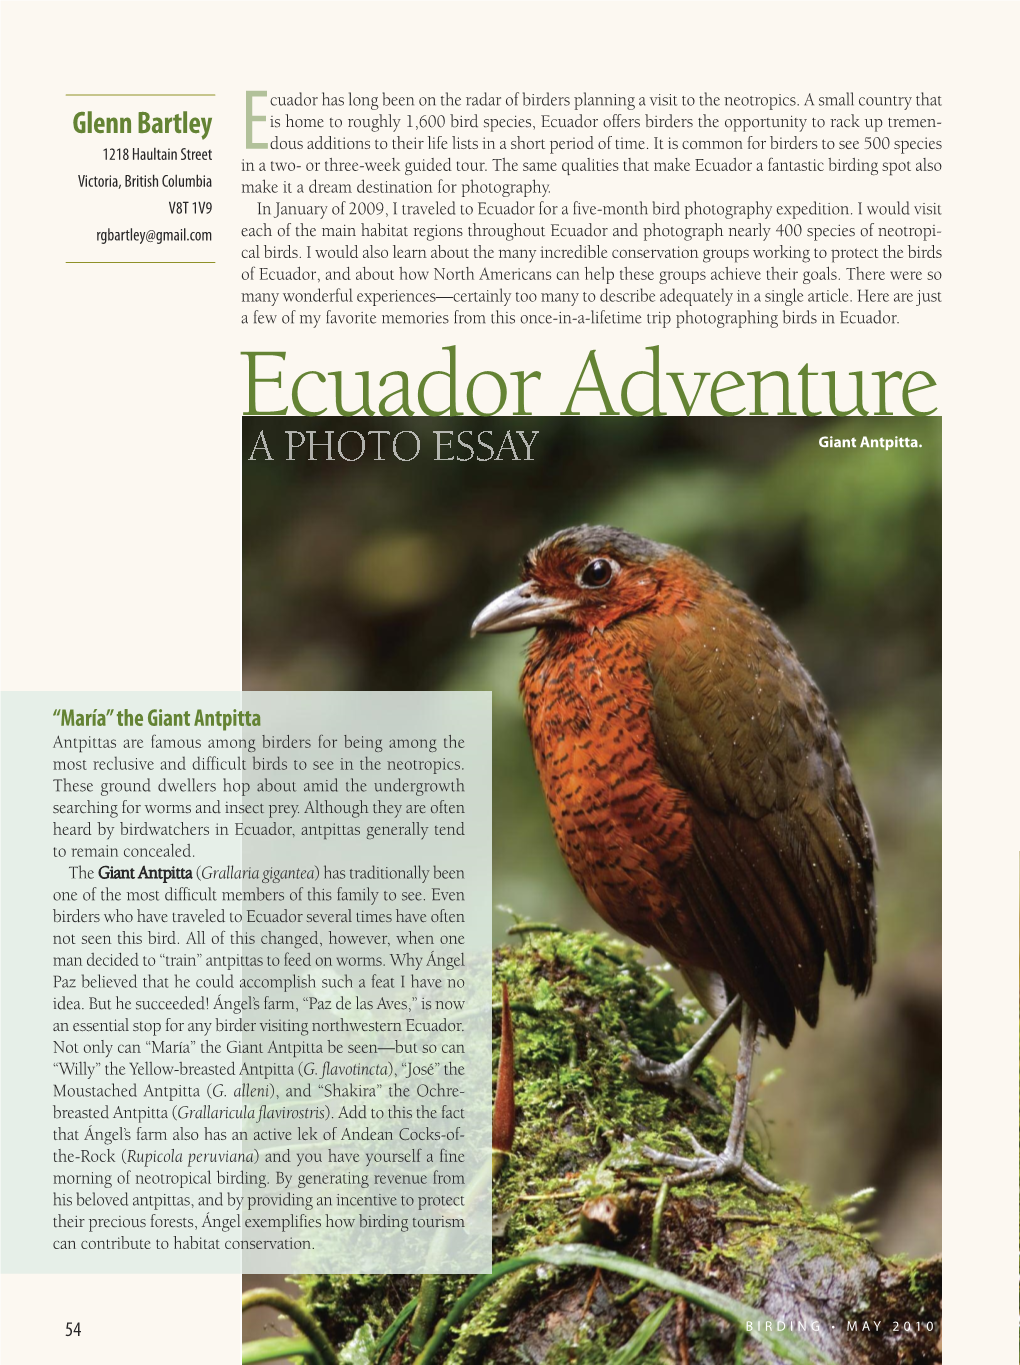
x=578, y=1172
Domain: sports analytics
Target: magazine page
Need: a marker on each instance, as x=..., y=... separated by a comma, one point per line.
x=473, y=682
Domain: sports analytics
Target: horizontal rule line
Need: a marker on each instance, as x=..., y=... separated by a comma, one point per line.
x=143, y=95
x=139, y=262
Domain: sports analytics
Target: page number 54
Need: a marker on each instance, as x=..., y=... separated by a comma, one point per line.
x=72, y=1329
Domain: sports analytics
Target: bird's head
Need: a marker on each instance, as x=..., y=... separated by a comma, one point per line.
x=585, y=578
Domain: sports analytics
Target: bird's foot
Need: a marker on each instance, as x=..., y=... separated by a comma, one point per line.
x=706, y=1165
x=678, y=1076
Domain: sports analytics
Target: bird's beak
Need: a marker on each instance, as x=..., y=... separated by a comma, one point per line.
x=519, y=609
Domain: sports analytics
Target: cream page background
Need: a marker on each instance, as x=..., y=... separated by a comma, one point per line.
x=122, y=392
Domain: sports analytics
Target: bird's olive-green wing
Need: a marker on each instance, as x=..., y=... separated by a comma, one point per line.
x=783, y=857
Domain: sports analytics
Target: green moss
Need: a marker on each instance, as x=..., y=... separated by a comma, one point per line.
x=582, y=1118
x=921, y=1283
x=594, y=1347
x=580, y=1001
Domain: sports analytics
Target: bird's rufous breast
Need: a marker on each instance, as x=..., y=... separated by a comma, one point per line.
x=623, y=828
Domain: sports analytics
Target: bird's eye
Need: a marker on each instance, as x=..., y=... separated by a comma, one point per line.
x=597, y=574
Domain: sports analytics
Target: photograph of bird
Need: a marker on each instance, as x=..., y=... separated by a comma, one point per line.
x=698, y=788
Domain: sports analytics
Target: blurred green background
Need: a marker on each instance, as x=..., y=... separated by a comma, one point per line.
x=367, y=575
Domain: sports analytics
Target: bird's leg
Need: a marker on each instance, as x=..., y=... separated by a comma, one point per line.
x=733, y=1153
x=679, y=1075
x=705, y=1165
